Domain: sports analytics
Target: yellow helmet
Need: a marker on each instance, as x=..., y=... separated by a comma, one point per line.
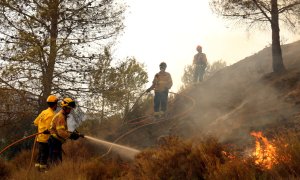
x=52, y=98
x=68, y=102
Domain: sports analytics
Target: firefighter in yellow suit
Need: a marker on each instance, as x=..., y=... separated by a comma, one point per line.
x=43, y=123
x=59, y=130
x=161, y=84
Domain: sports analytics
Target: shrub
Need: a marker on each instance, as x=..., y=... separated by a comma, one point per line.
x=178, y=159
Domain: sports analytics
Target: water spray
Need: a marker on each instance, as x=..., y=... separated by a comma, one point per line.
x=124, y=151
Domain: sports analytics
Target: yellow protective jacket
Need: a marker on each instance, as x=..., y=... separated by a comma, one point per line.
x=162, y=81
x=43, y=123
x=59, y=127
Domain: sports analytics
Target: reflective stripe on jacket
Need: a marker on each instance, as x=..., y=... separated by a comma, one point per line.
x=162, y=81
x=59, y=127
x=43, y=122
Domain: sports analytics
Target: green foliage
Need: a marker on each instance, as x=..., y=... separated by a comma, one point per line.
x=16, y=119
x=256, y=12
x=131, y=79
x=104, y=129
x=115, y=88
x=47, y=44
x=211, y=69
x=188, y=75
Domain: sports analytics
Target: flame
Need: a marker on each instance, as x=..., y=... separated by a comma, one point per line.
x=265, y=153
x=228, y=155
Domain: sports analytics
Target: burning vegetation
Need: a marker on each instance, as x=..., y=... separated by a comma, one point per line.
x=173, y=158
x=265, y=152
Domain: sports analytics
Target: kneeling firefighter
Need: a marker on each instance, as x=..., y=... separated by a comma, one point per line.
x=59, y=131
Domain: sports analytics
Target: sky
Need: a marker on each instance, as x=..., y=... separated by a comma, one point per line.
x=170, y=30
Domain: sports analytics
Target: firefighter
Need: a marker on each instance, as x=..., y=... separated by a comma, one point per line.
x=200, y=64
x=59, y=130
x=161, y=84
x=43, y=123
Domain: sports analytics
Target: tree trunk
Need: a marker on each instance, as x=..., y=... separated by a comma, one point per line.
x=278, y=66
x=48, y=76
x=102, y=110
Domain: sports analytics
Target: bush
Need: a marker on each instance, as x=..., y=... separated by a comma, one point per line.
x=178, y=159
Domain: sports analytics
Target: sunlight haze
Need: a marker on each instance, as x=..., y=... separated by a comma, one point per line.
x=170, y=30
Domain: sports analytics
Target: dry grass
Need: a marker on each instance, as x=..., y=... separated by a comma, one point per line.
x=173, y=158
x=288, y=148
x=80, y=161
x=205, y=159
x=178, y=159
x=5, y=169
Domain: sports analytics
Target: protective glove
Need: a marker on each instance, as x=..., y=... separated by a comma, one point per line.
x=74, y=136
x=46, y=131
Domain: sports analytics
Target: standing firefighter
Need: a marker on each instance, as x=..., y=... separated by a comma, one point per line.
x=59, y=130
x=200, y=63
x=161, y=84
x=43, y=123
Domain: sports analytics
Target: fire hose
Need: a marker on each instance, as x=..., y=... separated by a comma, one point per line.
x=20, y=140
x=33, y=135
x=125, y=134
x=144, y=118
x=33, y=147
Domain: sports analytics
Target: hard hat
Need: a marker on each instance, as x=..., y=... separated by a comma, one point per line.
x=163, y=64
x=52, y=98
x=68, y=102
x=199, y=48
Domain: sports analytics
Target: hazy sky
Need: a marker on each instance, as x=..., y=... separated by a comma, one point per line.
x=170, y=30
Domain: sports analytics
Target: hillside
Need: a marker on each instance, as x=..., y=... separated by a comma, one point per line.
x=246, y=97
x=210, y=125
x=240, y=98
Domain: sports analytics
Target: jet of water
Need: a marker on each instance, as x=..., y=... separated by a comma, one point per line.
x=125, y=151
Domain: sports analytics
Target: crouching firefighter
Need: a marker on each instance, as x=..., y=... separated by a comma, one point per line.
x=59, y=131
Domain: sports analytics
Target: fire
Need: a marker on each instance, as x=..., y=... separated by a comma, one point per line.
x=228, y=155
x=265, y=153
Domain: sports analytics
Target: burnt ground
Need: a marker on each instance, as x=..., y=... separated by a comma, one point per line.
x=238, y=99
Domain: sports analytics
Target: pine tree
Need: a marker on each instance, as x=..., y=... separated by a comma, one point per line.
x=50, y=46
x=262, y=12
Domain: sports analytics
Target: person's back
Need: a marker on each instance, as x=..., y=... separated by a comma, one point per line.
x=43, y=122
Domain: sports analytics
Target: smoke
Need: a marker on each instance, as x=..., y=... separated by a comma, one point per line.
x=241, y=98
